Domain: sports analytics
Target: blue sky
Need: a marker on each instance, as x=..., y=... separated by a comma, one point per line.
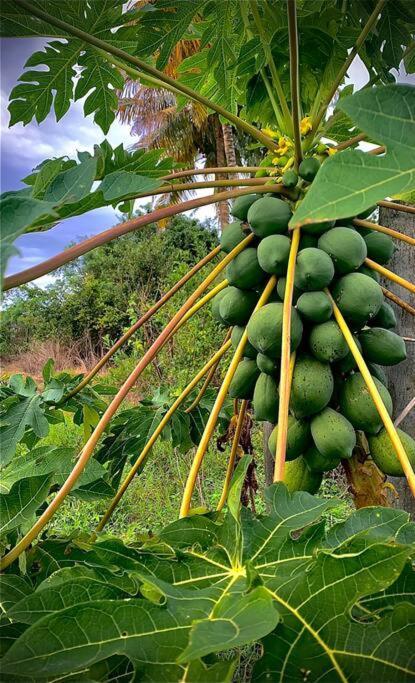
x=23, y=147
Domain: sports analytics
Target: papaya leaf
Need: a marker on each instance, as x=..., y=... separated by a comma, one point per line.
x=13, y=589
x=352, y=181
x=18, y=506
x=26, y=413
x=122, y=184
x=72, y=185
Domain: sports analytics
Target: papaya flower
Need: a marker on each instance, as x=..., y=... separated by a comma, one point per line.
x=305, y=125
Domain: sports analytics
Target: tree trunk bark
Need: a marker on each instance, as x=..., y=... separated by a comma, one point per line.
x=402, y=377
x=222, y=208
x=229, y=144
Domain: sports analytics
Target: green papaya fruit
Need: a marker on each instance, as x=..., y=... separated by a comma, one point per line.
x=317, y=228
x=358, y=297
x=236, y=306
x=385, y=317
x=290, y=178
x=380, y=247
x=365, y=270
x=244, y=379
x=232, y=235
x=315, y=306
x=249, y=351
x=266, y=364
x=357, y=405
x=312, y=386
x=242, y=204
x=378, y=372
x=346, y=248
x=281, y=290
x=273, y=253
x=308, y=169
x=216, y=301
x=308, y=241
x=384, y=454
x=327, y=342
x=333, y=434
x=382, y=346
x=314, y=270
x=348, y=363
x=269, y=216
x=298, y=438
x=298, y=477
x=244, y=271
x=265, y=329
x=318, y=463
x=266, y=398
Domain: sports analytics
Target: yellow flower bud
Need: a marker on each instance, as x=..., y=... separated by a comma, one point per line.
x=305, y=125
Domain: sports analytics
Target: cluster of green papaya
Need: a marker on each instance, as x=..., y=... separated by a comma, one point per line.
x=329, y=400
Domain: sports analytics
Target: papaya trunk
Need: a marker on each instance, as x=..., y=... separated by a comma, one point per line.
x=401, y=378
x=222, y=209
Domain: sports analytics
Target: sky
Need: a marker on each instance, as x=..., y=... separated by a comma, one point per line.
x=23, y=147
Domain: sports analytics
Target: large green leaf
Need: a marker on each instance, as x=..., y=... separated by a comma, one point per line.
x=351, y=181
x=26, y=413
x=18, y=506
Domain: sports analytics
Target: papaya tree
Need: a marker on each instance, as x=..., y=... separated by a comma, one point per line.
x=308, y=326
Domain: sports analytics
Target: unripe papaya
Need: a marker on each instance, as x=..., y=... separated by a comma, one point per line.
x=290, y=178
x=380, y=247
x=357, y=405
x=232, y=235
x=244, y=271
x=384, y=454
x=241, y=206
x=308, y=241
x=318, y=463
x=273, y=253
x=298, y=477
x=317, y=228
x=236, y=306
x=298, y=438
x=327, y=342
x=266, y=398
x=346, y=248
x=244, y=379
x=269, y=216
x=378, y=372
x=265, y=329
x=281, y=289
x=314, y=270
x=358, y=297
x=385, y=317
x=348, y=363
x=266, y=364
x=308, y=169
x=312, y=386
x=365, y=270
x=216, y=301
x=333, y=435
x=315, y=306
x=249, y=351
x=382, y=346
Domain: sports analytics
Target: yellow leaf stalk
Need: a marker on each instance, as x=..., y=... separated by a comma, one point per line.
x=232, y=457
x=390, y=275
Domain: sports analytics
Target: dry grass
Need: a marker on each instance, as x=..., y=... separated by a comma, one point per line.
x=67, y=358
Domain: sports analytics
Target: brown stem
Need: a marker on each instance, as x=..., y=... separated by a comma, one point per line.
x=151, y=311
x=122, y=229
x=294, y=79
x=89, y=447
x=377, y=150
x=397, y=207
x=397, y=300
x=202, y=185
x=216, y=170
x=352, y=54
x=352, y=141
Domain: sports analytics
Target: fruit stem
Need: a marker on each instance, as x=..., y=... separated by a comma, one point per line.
x=151, y=311
x=211, y=423
x=208, y=380
x=294, y=80
x=352, y=54
x=150, y=443
x=232, y=457
x=89, y=447
x=352, y=141
x=128, y=226
x=387, y=231
x=377, y=400
x=390, y=275
x=168, y=82
x=285, y=381
x=397, y=207
x=397, y=300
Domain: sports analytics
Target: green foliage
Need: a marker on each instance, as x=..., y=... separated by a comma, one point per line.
x=212, y=583
x=352, y=181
